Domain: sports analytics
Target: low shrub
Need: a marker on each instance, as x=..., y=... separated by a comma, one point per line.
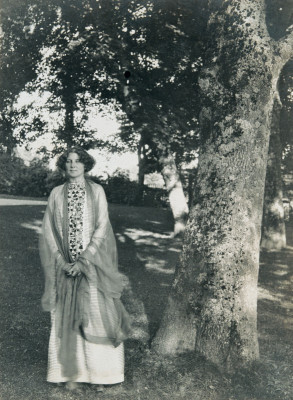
x=155, y=197
x=121, y=190
x=11, y=170
x=16, y=178
x=32, y=181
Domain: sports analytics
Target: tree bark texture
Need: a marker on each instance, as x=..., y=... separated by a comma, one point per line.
x=273, y=224
x=215, y=285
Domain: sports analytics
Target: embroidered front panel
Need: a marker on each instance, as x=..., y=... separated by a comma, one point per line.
x=76, y=200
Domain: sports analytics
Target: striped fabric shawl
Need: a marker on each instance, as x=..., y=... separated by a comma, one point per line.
x=70, y=297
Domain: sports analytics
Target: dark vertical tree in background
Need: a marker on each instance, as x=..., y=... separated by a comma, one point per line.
x=213, y=301
x=279, y=17
x=80, y=51
x=286, y=130
x=273, y=223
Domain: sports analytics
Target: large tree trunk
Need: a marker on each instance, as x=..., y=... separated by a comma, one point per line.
x=213, y=301
x=273, y=225
x=174, y=188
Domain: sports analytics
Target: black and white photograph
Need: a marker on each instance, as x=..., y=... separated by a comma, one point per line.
x=146, y=199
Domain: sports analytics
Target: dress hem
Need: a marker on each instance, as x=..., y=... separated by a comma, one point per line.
x=118, y=379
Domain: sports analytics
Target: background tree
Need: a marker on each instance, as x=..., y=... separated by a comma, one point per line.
x=78, y=52
x=163, y=71
x=273, y=223
x=286, y=127
x=24, y=28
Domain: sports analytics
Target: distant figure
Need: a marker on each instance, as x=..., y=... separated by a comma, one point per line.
x=82, y=282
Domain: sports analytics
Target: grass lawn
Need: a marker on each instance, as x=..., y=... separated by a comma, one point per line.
x=147, y=257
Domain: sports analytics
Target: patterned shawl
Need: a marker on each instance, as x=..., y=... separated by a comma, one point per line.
x=70, y=297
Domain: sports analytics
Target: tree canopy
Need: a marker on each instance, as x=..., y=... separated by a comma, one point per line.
x=80, y=59
x=76, y=54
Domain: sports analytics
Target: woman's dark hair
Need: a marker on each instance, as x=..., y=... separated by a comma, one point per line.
x=84, y=157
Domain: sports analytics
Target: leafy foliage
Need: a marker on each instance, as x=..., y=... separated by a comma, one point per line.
x=80, y=59
x=24, y=29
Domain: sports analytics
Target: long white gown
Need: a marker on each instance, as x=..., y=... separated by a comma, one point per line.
x=97, y=363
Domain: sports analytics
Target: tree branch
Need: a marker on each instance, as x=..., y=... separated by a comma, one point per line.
x=285, y=45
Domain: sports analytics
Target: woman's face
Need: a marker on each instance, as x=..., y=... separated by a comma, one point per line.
x=74, y=168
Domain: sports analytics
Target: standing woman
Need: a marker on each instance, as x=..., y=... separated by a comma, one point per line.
x=82, y=282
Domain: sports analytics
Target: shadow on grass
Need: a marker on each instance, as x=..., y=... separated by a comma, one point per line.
x=147, y=256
